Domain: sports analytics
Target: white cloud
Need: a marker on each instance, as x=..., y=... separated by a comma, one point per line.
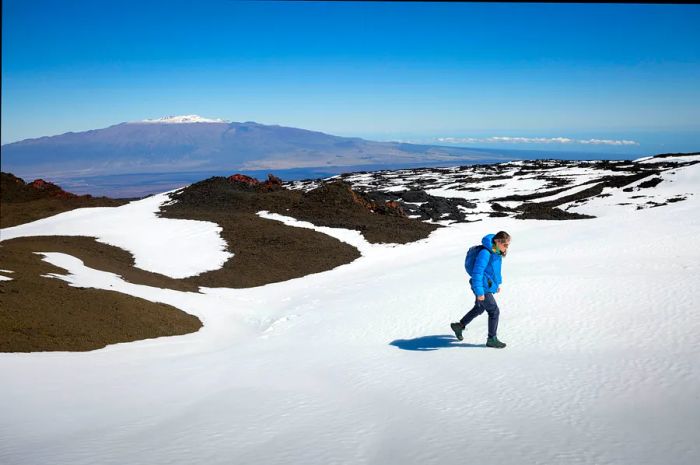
x=608, y=142
x=532, y=140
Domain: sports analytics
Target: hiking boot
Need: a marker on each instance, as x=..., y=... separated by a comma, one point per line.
x=458, y=328
x=495, y=343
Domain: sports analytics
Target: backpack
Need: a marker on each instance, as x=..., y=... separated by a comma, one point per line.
x=471, y=258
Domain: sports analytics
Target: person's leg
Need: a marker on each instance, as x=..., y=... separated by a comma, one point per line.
x=489, y=304
x=477, y=310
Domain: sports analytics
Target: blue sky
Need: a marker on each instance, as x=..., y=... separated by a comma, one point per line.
x=557, y=76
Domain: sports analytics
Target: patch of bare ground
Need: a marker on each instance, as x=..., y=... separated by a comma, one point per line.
x=40, y=313
x=337, y=205
x=101, y=257
x=267, y=251
x=281, y=253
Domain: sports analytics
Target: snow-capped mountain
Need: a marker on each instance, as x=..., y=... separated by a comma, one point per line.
x=192, y=143
x=182, y=119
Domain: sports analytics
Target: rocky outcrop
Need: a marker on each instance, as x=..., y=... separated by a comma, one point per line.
x=14, y=189
x=25, y=202
x=421, y=205
x=341, y=194
x=332, y=203
x=244, y=182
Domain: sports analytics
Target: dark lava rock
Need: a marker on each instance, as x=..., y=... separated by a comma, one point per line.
x=14, y=189
x=617, y=165
x=463, y=203
x=440, y=209
x=23, y=203
x=553, y=183
x=675, y=199
x=246, y=183
x=431, y=207
x=674, y=155
x=334, y=204
x=415, y=196
x=338, y=193
x=621, y=181
x=522, y=198
x=494, y=178
x=536, y=212
x=243, y=182
x=651, y=204
x=390, y=208
x=381, y=197
x=578, y=196
x=650, y=183
x=497, y=207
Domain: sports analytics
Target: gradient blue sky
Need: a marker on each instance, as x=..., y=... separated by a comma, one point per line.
x=385, y=71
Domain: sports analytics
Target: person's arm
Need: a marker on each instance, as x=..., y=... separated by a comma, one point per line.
x=482, y=260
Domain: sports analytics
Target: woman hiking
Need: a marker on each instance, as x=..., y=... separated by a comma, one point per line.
x=483, y=263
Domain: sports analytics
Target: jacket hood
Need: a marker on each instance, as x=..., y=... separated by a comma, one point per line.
x=487, y=241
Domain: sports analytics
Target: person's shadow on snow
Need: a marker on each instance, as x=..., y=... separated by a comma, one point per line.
x=427, y=343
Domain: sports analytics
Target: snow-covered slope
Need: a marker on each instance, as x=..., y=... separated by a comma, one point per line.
x=358, y=365
x=576, y=187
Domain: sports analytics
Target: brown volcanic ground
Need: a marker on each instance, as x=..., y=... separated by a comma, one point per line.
x=332, y=204
x=267, y=251
x=39, y=313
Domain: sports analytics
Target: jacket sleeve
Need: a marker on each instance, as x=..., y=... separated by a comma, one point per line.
x=482, y=259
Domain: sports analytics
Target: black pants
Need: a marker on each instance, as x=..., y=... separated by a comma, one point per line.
x=488, y=305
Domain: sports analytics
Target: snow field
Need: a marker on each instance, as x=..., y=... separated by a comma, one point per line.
x=358, y=365
x=682, y=159
x=681, y=182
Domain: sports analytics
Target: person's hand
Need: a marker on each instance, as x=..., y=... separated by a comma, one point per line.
x=480, y=298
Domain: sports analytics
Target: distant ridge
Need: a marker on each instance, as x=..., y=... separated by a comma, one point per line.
x=191, y=142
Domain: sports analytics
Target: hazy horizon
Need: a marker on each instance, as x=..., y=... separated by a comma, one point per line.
x=141, y=184
x=660, y=142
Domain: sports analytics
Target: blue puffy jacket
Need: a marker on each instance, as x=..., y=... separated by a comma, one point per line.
x=486, y=276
